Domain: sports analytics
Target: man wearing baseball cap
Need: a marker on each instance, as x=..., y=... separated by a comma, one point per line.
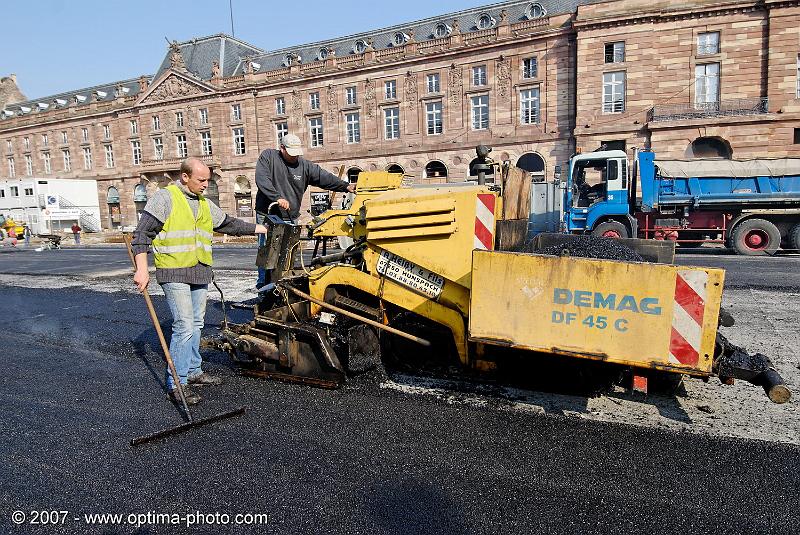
x=282, y=176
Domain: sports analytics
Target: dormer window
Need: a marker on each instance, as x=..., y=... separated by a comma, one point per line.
x=42, y=106
x=536, y=11
x=255, y=66
x=400, y=39
x=24, y=109
x=100, y=95
x=485, y=21
x=79, y=99
x=290, y=59
x=322, y=54
x=60, y=102
x=360, y=46
x=441, y=30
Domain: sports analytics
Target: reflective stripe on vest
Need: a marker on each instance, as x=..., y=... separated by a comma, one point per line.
x=184, y=241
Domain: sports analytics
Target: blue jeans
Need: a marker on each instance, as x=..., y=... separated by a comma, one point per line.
x=262, y=240
x=187, y=302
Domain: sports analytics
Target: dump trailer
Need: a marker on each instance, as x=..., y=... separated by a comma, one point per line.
x=7, y=223
x=751, y=206
x=424, y=280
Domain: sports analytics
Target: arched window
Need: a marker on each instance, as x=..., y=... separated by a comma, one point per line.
x=322, y=54
x=474, y=172
x=352, y=174
x=139, y=193
x=394, y=168
x=709, y=147
x=241, y=186
x=400, y=39
x=360, y=47
x=485, y=21
x=212, y=191
x=536, y=11
x=532, y=163
x=435, y=169
x=112, y=197
x=441, y=30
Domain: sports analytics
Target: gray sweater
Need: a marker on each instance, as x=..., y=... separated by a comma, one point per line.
x=152, y=221
x=276, y=179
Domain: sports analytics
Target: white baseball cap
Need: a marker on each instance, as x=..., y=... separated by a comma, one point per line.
x=292, y=144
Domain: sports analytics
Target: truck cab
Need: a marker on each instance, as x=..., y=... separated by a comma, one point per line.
x=596, y=192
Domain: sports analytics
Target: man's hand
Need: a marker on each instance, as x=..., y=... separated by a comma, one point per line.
x=261, y=229
x=283, y=203
x=141, y=277
x=351, y=188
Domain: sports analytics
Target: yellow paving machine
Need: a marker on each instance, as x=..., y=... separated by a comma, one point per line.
x=441, y=277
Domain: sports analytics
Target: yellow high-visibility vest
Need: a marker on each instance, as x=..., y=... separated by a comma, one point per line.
x=185, y=240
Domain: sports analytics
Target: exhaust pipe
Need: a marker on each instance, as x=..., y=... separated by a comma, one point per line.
x=735, y=363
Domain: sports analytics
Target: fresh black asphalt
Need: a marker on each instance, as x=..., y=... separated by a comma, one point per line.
x=81, y=375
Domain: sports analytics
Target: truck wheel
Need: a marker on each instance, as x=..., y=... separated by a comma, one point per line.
x=611, y=229
x=794, y=237
x=756, y=237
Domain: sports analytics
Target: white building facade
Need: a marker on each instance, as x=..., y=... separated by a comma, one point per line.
x=51, y=205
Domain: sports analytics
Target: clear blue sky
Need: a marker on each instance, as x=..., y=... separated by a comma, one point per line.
x=59, y=45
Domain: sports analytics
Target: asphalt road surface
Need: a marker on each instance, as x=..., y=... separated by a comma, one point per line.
x=754, y=272
x=81, y=374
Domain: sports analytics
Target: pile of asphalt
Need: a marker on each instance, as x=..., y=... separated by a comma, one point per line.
x=587, y=247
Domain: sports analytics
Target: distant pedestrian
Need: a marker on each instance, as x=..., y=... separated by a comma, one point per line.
x=76, y=232
x=12, y=234
x=27, y=235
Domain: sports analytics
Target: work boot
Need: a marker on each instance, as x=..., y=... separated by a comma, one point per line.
x=204, y=379
x=192, y=397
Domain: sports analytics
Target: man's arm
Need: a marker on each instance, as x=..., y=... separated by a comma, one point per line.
x=146, y=231
x=230, y=225
x=319, y=177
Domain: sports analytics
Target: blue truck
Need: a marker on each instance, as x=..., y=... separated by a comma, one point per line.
x=751, y=206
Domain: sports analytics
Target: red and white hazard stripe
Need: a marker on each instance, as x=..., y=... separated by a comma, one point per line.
x=484, y=221
x=687, y=317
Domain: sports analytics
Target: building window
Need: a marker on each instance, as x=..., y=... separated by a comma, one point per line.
x=205, y=144
x=484, y=22
x=14, y=191
x=238, y=141
x=28, y=165
x=26, y=142
x=87, y=158
x=351, y=96
x=391, y=121
x=156, y=123
x=280, y=106
x=360, y=47
x=480, y=112
x=9, y=146
x=281, y=129
x=67, y=159
x=45, y=140
x=106, y=131
x=134, y=127
x=798, y=76
x=433, y=117
x=11, y=171
x=613, y=92
x=797, y=136
x=28, y=192
x=182, y=148
x=400, y=38
x=158, y=148
x=313, y=100
x=479, y=75
x=136, y=150
x=530, y=68
x=706, y=84
x=390, y=89
x=47, y=166
x=2, y=193
x=433, y=84
x=109, y=149
x=441, y=30
x=178, y=119
x=707, y=43
x=435, y=169
x=315, y=128
x=615, y=52
x=85, y=135
x=529, y=106
x=203, y=112
x=236, y=112
x=353, y=127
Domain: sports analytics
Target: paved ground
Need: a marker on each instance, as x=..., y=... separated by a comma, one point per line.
x=81, y=374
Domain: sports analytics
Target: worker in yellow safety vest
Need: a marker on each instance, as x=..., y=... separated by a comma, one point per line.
x=179, y=222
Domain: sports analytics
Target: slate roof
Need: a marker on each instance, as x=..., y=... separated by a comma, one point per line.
x=199, y=54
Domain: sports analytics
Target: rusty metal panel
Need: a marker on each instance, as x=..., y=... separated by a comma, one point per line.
x=640, y=314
